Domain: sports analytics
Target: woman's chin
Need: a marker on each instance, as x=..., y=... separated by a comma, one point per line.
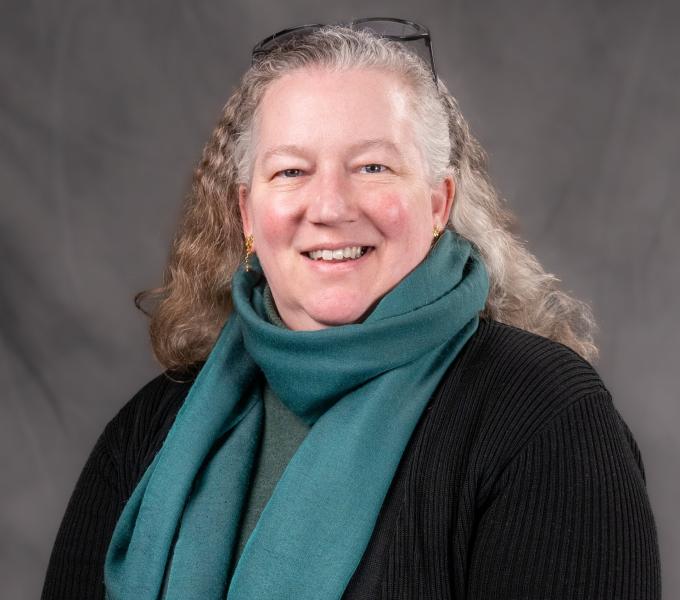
x=334, y=314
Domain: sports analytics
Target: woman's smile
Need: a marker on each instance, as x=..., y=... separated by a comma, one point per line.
x=348, y=252
x=330, y=262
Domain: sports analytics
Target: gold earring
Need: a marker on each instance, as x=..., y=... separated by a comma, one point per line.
x=249, y=252
x=436, y=232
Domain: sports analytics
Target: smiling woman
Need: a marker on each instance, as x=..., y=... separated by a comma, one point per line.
x=388, y=398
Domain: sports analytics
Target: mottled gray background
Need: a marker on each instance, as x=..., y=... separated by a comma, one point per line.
x=105, y=106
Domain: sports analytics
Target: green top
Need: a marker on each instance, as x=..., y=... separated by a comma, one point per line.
x=282, y=433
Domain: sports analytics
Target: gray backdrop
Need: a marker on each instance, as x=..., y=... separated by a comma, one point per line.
x=105, y=106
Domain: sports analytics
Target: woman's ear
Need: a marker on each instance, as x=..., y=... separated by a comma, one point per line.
x=244, y=208
x=442, y=201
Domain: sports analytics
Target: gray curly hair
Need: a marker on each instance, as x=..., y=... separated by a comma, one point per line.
x=189, y=309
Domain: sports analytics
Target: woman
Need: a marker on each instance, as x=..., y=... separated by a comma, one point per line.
x=388, y=398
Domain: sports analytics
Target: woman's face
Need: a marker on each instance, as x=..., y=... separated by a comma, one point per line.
x=339, y=204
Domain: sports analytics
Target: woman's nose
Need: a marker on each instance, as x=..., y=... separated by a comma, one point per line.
x=331, y=199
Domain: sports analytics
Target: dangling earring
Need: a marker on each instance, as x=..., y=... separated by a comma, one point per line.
x=249, y=252
x=436, y=232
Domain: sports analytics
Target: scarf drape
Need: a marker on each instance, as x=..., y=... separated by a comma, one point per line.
x=361, y=387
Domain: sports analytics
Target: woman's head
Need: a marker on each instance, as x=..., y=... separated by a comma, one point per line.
x=322, y=93
x=336, y=166
x=324, y=113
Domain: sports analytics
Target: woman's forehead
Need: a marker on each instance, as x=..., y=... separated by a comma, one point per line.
x=317, y=104
x=309, y=79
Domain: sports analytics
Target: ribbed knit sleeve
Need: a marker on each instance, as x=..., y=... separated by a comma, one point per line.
x=76, y=564
x=569, y=516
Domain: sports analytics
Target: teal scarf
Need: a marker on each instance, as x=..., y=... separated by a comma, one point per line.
x=361, y=387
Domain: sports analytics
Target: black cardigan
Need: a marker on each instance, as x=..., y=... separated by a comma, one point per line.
x=520, y=481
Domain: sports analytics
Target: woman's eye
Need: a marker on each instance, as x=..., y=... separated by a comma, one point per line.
x=290, y=173
x=374, y=168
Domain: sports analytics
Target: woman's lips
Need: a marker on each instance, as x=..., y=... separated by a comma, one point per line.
x=334, y=263
x=349, y=252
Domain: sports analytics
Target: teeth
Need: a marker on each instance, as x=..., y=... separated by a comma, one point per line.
x=350, y=252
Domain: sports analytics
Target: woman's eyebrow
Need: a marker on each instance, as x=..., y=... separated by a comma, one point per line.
x=377, y=143
x=362, y=145
x=283, y=149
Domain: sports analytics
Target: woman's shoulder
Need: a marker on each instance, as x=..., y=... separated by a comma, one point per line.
x=509, y=386
x=137, y=431
x=510, y=361
x=158, y=395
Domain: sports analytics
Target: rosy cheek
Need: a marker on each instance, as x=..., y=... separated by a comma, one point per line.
x=391, y=213
x=275, y=221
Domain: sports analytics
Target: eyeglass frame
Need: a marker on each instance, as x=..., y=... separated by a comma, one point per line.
x=424, y=34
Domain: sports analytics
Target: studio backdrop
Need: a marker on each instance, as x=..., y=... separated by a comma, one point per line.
x=105, y=107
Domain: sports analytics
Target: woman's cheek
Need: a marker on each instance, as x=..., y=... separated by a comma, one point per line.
x=391, y=214
x=276, y=220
